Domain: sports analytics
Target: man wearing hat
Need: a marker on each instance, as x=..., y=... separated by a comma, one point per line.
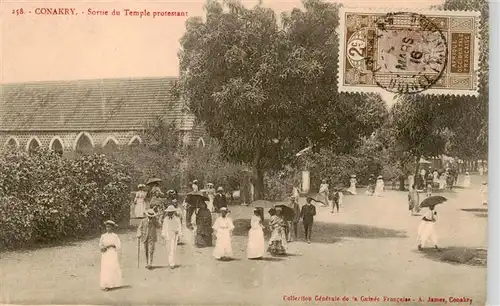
x=307, y=213
x=194, y=185
x=220, y=199
x=147, y=233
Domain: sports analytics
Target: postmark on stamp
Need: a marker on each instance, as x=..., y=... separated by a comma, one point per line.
x=432, y=52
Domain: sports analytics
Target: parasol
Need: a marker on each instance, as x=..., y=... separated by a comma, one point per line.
x=287, y=212
x=153, y=180
x=194, y=198
x=423, y=161
x=433, y=200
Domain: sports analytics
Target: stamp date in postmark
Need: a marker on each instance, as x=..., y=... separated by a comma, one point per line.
x=406, y=53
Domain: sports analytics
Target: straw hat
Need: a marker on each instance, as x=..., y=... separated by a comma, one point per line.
x=224, y=209
x=140, y=186
x=150, y=213
x=380, y=177
x=109, y=222
x=171, y=208
x=220, y=188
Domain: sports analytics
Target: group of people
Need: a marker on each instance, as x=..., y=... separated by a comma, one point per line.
x=327, y=199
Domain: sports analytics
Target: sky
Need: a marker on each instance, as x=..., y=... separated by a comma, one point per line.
x=42, y=48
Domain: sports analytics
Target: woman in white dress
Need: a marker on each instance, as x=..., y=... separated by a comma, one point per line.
x=256, y=243
x=426, y=230
x=323, y=193
x=466, y=183
x=435, y=175
x=223, y=229
x=211, y=196
x=170, y=233
x=111, y=273
x=379, y=187
x=442, y=181
x=140, y=201
x=352, y=186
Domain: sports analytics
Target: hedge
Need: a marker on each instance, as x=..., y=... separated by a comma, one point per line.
x=45, y=197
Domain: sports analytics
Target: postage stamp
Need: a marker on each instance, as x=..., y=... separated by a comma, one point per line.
x=428, y=52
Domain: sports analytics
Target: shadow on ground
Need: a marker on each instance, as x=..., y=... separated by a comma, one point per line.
x=457, y=255
x=330, y=232
x=477, y=210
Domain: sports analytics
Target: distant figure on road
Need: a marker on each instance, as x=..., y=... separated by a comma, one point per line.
x=211, y=196
x=426, y=230
x=371, y=185
x=194, y=186
x=111, y=273
x=466, y=183
x=140, y=201
x=307, y=214
x=484, y=193
x=220, y=199
x=323, y=193
x=429, y=183
x=379, y=186
x=223, y=228
x=337, y=199
x=256, y=244
x=352, y=186
x=147, y=233
x=413, y=201
x=442, y=181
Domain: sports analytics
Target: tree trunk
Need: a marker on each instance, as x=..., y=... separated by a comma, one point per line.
x=417, y=167
x=258, y=176
x=402, y=179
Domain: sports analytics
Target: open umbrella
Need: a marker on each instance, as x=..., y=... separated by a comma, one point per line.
x=433, y=200
x=153, y=180
x=196, y=197
x=423, y=161
x=288, y=212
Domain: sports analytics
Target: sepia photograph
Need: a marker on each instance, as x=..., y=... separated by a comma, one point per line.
x=244, y=152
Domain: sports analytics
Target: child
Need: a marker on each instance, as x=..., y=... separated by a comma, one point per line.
x=337, y=199
x=147, y=233
x=426, y=230
x=111, y=274
x=223, y=229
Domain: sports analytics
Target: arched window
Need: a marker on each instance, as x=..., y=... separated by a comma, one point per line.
x=84, y=143
x=56, y=145
x=110, y=145
x=12, y=143
x=135, y=141
x=33, y=144
x=200, y=143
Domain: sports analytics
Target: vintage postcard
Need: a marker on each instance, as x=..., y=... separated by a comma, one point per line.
x=434, y=52
x=206, y=152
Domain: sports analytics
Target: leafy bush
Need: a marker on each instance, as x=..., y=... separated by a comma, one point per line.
x=51, y=197
x=278, y=185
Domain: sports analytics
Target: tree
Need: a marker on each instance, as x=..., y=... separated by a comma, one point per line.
x=455, y=125
x=265, y=91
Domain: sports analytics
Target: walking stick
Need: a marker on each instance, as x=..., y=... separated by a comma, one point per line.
x=138, y=252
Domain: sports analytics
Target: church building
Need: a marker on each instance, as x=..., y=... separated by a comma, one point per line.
x=82, y=115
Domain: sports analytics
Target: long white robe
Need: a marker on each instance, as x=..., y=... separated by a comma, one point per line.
x=223, y=228
x=352, y=187
x=379, y=188
x=170, y=232
x=256, y=243
x=426, y=230
x=140, y=204
x=111, y=273
x=211, y=197
x=323, y=194
x=466, y=183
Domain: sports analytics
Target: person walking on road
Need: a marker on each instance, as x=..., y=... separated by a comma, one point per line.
x=484, y=193
x=307, y=214
x=147, y=233
x=111, y=273
x=223, y=228
x=294, y=204
x=256, y=244
x=426, y=230
x=170, y=233
x=323, y=193
x=220, y=199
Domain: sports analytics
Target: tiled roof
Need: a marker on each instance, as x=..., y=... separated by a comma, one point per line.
x=89, y=105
